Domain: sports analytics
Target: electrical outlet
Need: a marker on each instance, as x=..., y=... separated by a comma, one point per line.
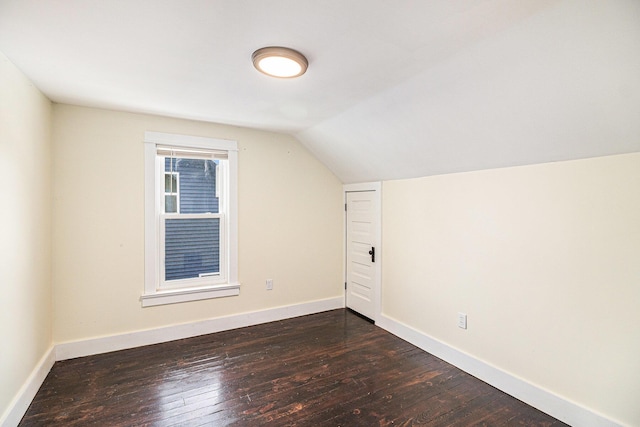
x=269, y=284
x=462, y=321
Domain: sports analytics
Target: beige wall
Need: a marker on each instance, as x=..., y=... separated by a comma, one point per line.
x=290, y=224
x=25, y=224
x=544, y=259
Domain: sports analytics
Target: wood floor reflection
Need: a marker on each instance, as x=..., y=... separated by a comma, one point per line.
x=327, y=369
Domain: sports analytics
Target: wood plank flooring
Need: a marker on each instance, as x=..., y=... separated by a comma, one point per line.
x=326, y=369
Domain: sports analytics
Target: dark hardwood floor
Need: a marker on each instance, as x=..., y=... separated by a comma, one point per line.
x=327, y=369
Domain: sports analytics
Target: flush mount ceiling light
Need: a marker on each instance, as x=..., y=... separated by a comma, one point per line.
x=280, y=62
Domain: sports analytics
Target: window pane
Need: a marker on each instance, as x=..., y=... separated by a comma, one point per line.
x=170, y=204
x=170, y=183
x=197, y=184
x=192, y=247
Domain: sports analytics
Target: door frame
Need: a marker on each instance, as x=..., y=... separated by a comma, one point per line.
x=376, y=188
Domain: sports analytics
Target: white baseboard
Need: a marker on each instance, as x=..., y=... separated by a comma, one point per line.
x=106, y=344
x=19, y=405
x=544, y=400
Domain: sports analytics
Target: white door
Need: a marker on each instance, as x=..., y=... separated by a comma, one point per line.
x=362, y=252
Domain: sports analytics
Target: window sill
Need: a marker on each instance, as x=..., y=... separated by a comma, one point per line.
x=192, y=294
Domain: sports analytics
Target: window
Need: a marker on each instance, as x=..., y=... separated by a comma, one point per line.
x=190, y=218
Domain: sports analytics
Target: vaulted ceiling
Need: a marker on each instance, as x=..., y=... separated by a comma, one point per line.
x=395, y=89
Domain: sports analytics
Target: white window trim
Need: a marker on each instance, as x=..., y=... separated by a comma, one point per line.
x=153, y=295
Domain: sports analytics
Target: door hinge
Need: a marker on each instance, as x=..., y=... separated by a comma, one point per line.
x=345, y=285
x=345, y=207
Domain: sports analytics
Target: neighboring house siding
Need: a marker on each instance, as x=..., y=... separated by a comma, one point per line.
x=192, y=245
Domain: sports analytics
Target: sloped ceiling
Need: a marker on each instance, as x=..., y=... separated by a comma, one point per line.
x=395, y=89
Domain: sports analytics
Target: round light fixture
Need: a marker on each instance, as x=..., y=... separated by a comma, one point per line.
x=280, y=62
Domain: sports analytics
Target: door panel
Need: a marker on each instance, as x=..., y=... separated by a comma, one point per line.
x=361, y=238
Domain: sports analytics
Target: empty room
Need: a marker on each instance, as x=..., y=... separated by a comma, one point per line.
x=320, y=213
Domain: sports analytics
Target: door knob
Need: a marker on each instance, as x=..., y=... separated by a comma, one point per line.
x=372, y=252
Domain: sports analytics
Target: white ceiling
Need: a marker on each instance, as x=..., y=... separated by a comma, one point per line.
x=395, y=89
